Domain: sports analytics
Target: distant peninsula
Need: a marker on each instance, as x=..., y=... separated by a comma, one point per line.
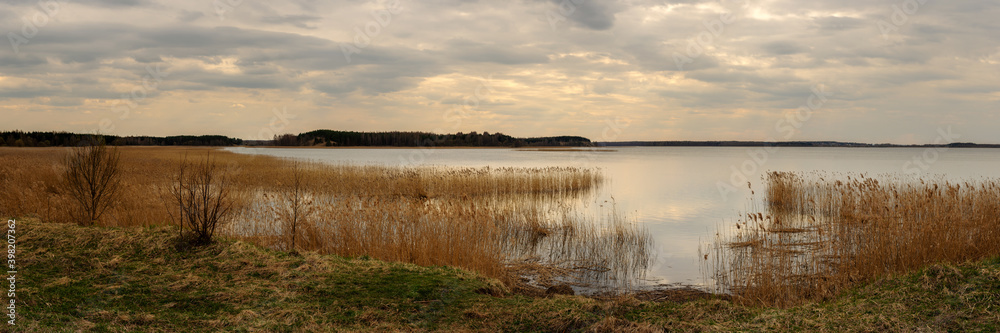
x=331, y=138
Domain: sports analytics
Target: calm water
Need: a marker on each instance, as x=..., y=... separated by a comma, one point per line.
x=675, y=191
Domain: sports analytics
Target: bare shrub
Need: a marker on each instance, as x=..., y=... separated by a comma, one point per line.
x=204, y=199
x=93, y=179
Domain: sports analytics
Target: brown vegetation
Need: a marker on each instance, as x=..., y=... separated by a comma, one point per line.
x=204, y=199
x=93, y=179
x=820, y=234
x=489, y=220
x=132, y=279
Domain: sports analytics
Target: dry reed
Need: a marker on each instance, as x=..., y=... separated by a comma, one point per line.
x=818, y=234
x=490, y=220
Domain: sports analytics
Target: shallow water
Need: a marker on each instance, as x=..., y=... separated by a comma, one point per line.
x=681, y=194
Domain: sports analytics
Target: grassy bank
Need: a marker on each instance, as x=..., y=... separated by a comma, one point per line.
x=135, y=279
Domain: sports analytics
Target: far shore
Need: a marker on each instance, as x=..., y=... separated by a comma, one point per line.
x=540, y=148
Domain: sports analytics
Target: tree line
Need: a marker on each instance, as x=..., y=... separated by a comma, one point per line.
x=67, y=139
x=331, y=138
x=327, y=138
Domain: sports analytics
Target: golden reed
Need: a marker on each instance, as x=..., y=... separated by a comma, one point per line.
x=817, y=233
x=490, y=220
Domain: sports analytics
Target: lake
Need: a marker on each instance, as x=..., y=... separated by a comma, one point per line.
x=681, y=194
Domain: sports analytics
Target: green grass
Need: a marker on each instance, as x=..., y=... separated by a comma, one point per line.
x=102, y=279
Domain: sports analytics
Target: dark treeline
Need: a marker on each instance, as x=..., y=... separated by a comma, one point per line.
x=781, y=144
x=314, y=138
x=332, y=138
x=66, y=139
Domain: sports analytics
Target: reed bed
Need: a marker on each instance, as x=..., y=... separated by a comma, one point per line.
x=611, y=250
x=489, y=220
x=817, y=234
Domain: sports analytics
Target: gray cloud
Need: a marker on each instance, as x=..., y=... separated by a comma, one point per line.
x=782, y=48
x=299, y=21
x=189, y=16
x=833, y=24
x=595, y=15
x=116, y=3
x=609, y=55
x=502, y=54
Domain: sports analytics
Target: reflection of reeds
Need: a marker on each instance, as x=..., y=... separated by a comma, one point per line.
x=485, y=219
x=610, y=251
x=820, y=234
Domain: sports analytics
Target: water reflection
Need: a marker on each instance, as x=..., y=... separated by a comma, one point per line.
x=672, y=191
x=528, y=221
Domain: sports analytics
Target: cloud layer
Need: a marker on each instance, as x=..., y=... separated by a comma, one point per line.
x=894, y=71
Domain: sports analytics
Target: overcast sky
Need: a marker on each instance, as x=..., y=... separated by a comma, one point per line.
x=846, y=70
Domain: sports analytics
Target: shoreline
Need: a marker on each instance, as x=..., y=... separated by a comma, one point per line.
x=132, y=279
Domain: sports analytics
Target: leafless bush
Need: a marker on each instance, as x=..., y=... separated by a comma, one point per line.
x=93, y=179
x=204, y=199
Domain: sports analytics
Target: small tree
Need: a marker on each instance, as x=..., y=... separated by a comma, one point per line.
x=204, y=198
x=93, y=179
